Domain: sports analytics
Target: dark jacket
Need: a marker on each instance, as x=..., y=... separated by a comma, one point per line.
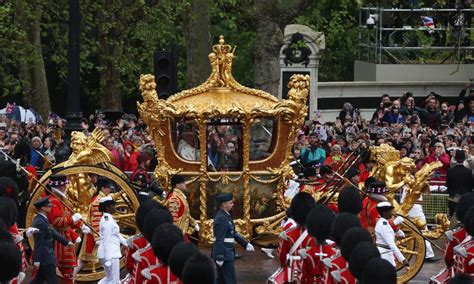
x=459, y=180
x=44, y=249
x=224, y=231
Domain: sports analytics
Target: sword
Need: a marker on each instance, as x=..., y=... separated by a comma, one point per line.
x=19, y=167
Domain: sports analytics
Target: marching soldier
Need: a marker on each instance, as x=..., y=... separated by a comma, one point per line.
x=110, y=239
x=44, y=259
x=385, y=236
x=10, y=258
x=464, y=252
x=319, y=222
x=179, y=207
x=369, y=214
x=223, y=250
x=296, y=238
x=65, y=223
x=349, y=200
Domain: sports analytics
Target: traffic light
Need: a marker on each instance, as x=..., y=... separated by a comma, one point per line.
x=165, y=73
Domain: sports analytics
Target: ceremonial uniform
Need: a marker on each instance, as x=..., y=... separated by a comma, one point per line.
x=43, y=253
x=453, y=238
x=313, y=267
x=179, y=208
x=143, y=258
x=369, y=214
x=385, y=237
x=463, y=257
x=291, y=242
x=108, y=251
x=337, y=270
x=61, y=219
x=24, y=263
x=159, y=274
x=89, y=249
x=223, y=248
x=134, y=243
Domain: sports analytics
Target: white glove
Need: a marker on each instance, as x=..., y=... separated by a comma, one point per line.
x=98, y=242
x=76, y=217
x=197, y=228
x=108, y=263
x=249, y=247
x=400, y=234
x=85, y=229
x=30, y=231
x=397, y=221
x=78, y=240
x=219, y=262
x=36, y=264
x=70, y=244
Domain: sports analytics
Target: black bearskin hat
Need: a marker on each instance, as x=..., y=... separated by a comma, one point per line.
x=349, y=200
x=319, y=222
x=351, y=239
x=155, y=218
x=9, y=188
x=10, y=261
x=6, y=211
x=199, y=269
x=360, y=256
x=165, y=238
x=300, y=206
x=5, y=236
x=379, y=270
x=461, y=278
x=142, y=211
x=469, y=221
x=465, y=202
x=341, y=224
x=178, y=257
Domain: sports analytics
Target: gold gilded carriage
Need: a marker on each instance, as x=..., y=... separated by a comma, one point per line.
x=224, y=137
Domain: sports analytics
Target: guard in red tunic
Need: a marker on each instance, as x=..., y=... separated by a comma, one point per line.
x=166, y=236
x=319, y=187
x=337, y=267
x=349, y=201
x=65, y=223
x=296, y=238
x=369, y=214
x=318, y=224
x=464, y=252
x=145, y=257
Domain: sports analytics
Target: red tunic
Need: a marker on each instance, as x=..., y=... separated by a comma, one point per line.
x=292, y=263
x=463, y=258
x=18, y=239
x=144, y=258
x=95, y=216
x=338, y=271
x=369, y=214
x=159, y=274
x=453, y=238
x=135, y=243
x=313, y=266
x=61, y=220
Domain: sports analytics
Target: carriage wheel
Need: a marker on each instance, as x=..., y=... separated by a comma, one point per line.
x=127, y=203
x=413, y=249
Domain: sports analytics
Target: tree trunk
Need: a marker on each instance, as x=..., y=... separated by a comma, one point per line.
x=35, y=86
x=110, y=94
x=198, y=42
x=271, y=16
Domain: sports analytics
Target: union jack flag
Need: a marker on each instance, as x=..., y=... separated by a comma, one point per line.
x=428, y=23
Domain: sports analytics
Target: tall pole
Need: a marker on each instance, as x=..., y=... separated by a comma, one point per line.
x=73, y=106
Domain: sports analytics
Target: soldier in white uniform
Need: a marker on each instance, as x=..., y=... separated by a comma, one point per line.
x=108, y=251
x=385, y=236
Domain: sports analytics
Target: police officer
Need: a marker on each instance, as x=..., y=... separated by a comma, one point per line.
x=44, y=258
x=223, y=250
x=110, y=240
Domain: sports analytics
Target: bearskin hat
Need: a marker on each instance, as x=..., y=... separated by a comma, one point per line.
x=351, y=239
x=469, y=221
x=5, y=236
x=349, y=200
x=8, y=188
x=142, y=211
x=6, y=212
x=361, y=255
x=319, y=222
x=341, y=224
x=165, y=238
x=379, y=270
x=465, y=202
x=10, y=261
x=179, y=255
x=155, y=218
x=199, y=269
x=300, y=206
x=461, y=278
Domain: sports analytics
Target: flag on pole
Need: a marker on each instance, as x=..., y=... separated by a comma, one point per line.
x=428, y=23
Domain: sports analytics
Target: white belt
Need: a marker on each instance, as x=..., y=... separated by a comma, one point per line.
x=293, y=257
x=228, y=240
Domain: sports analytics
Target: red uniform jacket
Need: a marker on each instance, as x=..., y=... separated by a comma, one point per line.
x=292, y=262
x=338, y=271
x=313, y=266
x=144, y=258
x=95, y=216
x=453, y=238
x=61, y=220
x=463, y=258
x=135, y=243
x=369, y=214
x=159, y=274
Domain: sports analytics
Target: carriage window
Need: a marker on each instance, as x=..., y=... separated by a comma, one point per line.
x=224, y=146
x=261, y=139
x=186, y=141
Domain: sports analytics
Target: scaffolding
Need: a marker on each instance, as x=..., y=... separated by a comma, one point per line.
x=416, y=36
